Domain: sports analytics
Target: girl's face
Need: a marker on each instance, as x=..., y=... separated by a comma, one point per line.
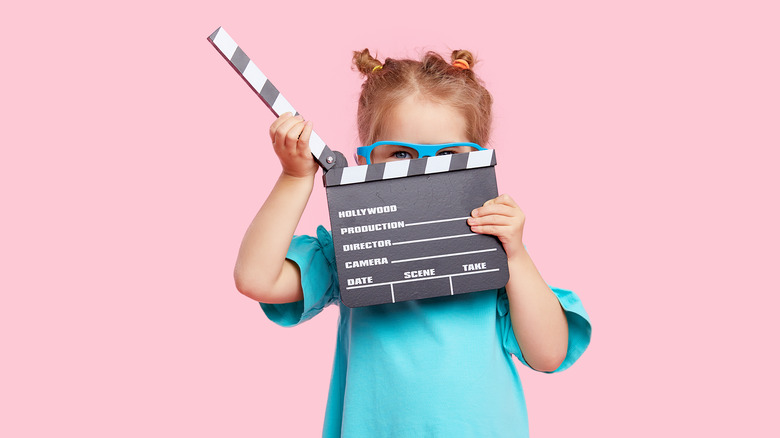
x=420, y=121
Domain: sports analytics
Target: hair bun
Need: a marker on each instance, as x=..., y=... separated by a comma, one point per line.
x=364, y=62
x=464, y=55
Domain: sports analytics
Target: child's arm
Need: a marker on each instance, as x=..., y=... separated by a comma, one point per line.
x=262, y=272
x=538, y=320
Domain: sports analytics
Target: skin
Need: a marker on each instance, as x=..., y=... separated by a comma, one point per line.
x=264, y=274
x=422, y=122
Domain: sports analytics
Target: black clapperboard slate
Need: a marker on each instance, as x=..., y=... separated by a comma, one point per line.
x=400, y=231
x=399, y=228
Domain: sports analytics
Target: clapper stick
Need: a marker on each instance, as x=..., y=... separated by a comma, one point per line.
x=263, y=87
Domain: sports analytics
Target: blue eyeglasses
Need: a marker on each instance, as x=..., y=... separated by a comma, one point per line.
x=384, y=151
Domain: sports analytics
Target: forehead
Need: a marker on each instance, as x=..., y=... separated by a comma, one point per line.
x=419, y=120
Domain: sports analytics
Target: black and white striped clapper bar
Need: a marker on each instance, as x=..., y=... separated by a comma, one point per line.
x=260, y=84
x=399, y=228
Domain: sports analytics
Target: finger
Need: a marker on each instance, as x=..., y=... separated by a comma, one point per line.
x=496, y=209
x=493, y=230
x=292, y=137
x=277, y=123
x=281, y=133
x=488, y=202
x=307, y=130
x=502, y=199
x=280, y=126
x=492, y=220
x=506, y=200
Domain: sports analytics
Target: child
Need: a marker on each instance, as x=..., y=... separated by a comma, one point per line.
x=434, y=367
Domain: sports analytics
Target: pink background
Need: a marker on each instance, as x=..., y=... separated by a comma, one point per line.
x=641, y=140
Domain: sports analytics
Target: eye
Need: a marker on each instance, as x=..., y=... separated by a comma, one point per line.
x=455, y=150
x=392, y=152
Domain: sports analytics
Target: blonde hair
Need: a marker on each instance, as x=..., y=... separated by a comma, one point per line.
x=432, y=78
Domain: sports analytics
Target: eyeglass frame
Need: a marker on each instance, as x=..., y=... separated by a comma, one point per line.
x=423, y=150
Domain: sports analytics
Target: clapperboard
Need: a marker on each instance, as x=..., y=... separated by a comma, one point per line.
x=399, y=228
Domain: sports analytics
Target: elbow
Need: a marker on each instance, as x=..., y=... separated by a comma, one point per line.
x=548, y=359
x=251, y=288
x=546, y=356
x=550, y=363
x=243, y=287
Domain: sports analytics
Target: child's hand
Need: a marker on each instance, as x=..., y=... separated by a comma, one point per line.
x=290, y=136
x=502, y=218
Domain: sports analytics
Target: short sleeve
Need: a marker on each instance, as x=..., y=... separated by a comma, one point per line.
x=577, y=318
x=317, y=262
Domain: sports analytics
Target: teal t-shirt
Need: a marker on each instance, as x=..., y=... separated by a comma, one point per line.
x=424, y=368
